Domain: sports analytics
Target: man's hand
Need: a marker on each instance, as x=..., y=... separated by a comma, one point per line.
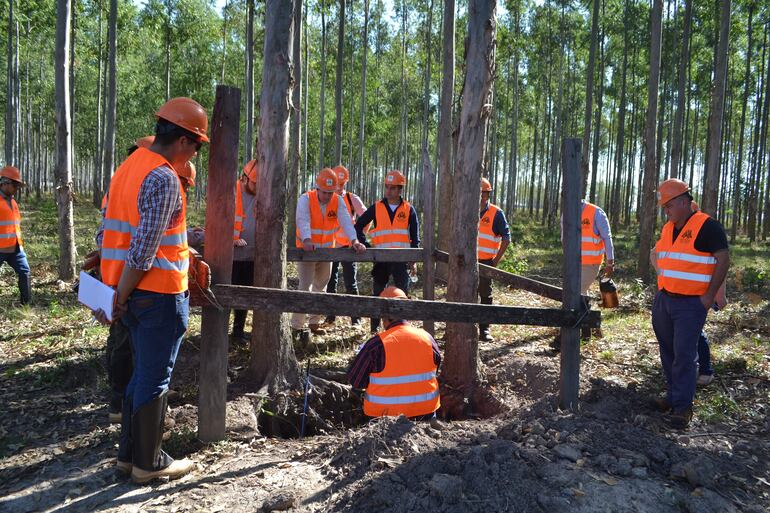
x=721, y=297
x=307, y=245
x=91, y=261
x=358, y=247
x=707, y=300
x=239, y=243
x=609, y=268
x=118, y=310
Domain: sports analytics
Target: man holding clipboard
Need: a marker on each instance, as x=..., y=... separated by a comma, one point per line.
x=145, y=258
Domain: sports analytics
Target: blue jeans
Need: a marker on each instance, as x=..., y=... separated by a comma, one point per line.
x=349, y=274
x=704, y=355
x=678, y=323
x=157, y=323
x=18, y=262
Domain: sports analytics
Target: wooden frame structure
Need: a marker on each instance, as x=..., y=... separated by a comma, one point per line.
x=220, y=204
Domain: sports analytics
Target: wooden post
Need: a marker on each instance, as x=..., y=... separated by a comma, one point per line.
x=428, y=237
x=220, y=213
x=569, y=378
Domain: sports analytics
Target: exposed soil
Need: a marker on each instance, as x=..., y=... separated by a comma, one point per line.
x=614, y=454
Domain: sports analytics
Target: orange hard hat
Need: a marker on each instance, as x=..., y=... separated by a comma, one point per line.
x=485, y=185
x=187, y=174
x=342, y=174
x=327, y=180
x=393, y=293
x=670, y=189
x=12, y=173
x=145, y=142
x=251, y=170
x=395, y=177
x=186, y=113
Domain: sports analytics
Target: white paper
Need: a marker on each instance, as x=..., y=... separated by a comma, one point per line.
x=95, y=294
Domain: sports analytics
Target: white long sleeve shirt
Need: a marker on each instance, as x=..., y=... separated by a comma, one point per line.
x=303, y=218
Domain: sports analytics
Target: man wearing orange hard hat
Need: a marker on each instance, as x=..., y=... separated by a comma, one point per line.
x=11, y=245
x=349, y=269
x=692, y=258
x=493, y=239
x=395, y=225
x=243, y=238
x=320, y=214
x=398, y=368
x=145, y=257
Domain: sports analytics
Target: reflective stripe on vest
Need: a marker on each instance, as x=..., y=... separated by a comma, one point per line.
x=10, y=224
x=168, y=271
x=340, y=237
x=323, y=226
x=239, y=214
x=488, y=243
x=682, y=269
x=391, y=235
x=591, y=246
x=407, y=385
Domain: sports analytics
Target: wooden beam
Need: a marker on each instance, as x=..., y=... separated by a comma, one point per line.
x=276, y=300
x=220, y=213
x=569, y=375
x=348, y=255
x=514, y=280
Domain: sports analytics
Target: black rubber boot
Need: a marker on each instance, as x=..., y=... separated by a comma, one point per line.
x=25, y=289
x=125, y=446
x=150, y=461
x=239, y=322
x=484, y=335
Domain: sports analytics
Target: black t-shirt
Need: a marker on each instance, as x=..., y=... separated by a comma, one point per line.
x=711, y=237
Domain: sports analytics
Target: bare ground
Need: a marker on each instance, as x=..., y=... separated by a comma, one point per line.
x=614, y=454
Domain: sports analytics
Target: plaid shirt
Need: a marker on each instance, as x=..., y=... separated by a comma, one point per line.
x=160, y=209
x=371, y=359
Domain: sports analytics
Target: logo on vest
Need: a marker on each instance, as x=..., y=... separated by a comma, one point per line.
x=686, y=235
x=585, y=221
x=331, y=214
x=485, y=220
x=401, y=216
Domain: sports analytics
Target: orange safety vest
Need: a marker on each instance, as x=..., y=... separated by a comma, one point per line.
x=168, y=274
x=682, y=269
x=340, y=237
x=10, y=224
x=407, y=385
x=591, y=245
x=489, y=243
x=391, y=235
x=239, y=215
x=104, y=202
x=322, y=227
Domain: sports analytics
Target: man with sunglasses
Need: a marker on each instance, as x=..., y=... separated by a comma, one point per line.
x=145, y=257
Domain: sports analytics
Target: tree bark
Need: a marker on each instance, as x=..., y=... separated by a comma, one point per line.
x=445, y=122
x=10, y=108
x=362, y=117
x=323, y=85
x=648, y=209
x=112, y=70
x=737, y=181
x=338, y=85
x=67, y=252
x=676, y=150
x=273, y=362
x=98, y=192
x=461, y=365
x=248, y=138
x=589, y=94
x=711, y=178
x=296, y=114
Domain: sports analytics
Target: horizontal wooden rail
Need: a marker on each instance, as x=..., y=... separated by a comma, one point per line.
x=275, y=300
x=348, y=255
x=514, y=280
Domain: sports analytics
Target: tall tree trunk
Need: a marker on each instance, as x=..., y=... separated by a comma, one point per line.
x=755, y=196
x=711, y=179
x=737, y=181
x=648, y=209
x=589, y=94
x=98, y=191
x=167, y=46
x=71, y=72
x=445, y=170
x=424, y=156
x=597, y=123
x=676, y=151
x=362, y=116
x=338, y=85
x=321, y=163
x=224, y=42
x=273, y=362
x=296, y=113
x=112, y=70
x=619, y=154
x=67, y=252
x=248, y=138
x=10, y=108
x=461, y=366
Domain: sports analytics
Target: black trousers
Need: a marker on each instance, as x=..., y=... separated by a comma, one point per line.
x=120, y=361
x=381, y=273
x=243, y=274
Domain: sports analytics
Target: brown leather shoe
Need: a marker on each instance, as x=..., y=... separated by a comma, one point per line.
x=316, y=329
x=661, y=404
x=680, y=419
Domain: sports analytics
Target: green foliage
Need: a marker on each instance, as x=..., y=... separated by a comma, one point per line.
x=755, y=279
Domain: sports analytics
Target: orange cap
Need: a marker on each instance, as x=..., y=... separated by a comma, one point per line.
x=12, y=173
x=670, y=189
x=186, y=113
x=395, y=177
x=393, y=293
x=342, y=174
x=145, y=142
x=251, y=170
x=485, y=185
x=327, y=180
x=187, y=174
